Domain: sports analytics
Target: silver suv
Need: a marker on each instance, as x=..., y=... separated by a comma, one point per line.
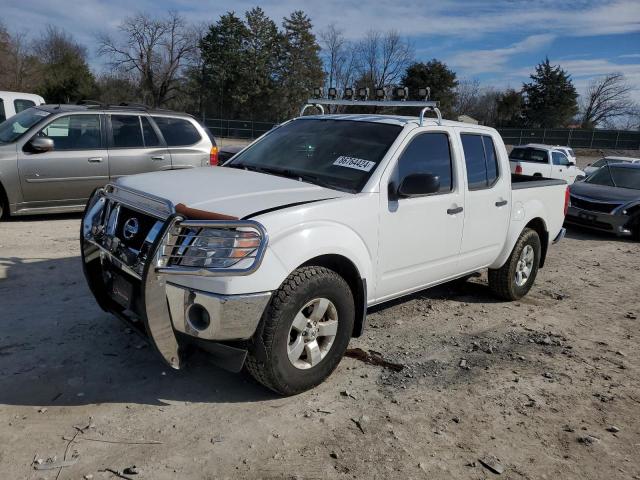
x=53, y=156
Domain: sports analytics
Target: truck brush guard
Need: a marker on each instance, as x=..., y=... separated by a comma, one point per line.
x=132, y=247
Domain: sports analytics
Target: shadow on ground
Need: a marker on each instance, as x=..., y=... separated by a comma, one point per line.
x=58, y=348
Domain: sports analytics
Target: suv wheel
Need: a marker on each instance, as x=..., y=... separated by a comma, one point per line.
x=515, y=278
x=306, y=330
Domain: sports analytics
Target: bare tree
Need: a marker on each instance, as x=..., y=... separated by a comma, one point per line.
x=18, y=66
x=607, y=99
x=383, y=58
x=155, y=49
x=467, y=94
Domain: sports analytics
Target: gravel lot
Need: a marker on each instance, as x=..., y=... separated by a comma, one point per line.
x=550, y=385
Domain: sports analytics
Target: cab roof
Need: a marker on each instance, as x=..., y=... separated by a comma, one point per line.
x=400, y=120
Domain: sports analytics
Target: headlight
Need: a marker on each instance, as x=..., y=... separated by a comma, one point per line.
x=216, y=248
x=212, y=247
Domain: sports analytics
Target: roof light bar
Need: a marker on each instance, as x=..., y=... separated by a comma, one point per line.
x=427, y=106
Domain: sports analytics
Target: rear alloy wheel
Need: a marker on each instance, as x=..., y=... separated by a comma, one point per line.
x=515, y=278
x=304, y=333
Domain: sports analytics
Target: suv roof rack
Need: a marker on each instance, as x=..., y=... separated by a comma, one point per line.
x=426, y=105
x=121, y=106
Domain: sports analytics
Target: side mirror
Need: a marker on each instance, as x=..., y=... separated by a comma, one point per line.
x=588, y=164
x=41, y=144
x=580, y=178
x=572, y=164
x=418, y=184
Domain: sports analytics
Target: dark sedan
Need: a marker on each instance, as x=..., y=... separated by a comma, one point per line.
x=608, y=200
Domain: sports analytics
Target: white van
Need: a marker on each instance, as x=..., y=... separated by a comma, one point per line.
x=15, y=102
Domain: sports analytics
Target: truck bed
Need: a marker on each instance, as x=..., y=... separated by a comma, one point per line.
x=519, y=182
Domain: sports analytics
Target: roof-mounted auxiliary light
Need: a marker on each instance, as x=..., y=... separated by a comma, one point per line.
x=317, y=92
x=363, y=93
x=424, y=93
x=332, y=93
x=380, y=93
x=348, y=93
x=400, y=93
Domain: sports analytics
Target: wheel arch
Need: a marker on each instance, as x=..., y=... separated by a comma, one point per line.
x=4, y=202
x=540, y=227
x=358, y=285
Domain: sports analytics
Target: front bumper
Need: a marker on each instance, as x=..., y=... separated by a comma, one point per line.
x=150, y=298
x=604, y=222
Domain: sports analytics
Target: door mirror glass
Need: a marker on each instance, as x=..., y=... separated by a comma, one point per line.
x=572, y=163
x=41, y=144
x=418, y=184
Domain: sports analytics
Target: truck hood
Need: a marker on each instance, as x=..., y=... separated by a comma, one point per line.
x=229, y=191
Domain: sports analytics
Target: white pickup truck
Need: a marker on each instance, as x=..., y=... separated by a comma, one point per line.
x=544, y=161
x=271, y=261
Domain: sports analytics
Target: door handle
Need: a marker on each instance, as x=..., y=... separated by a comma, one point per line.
x=453, y=211
x=157, y=157
x=94, y=159
x=501, y=203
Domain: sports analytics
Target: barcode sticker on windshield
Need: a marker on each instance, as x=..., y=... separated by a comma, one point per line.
x=356, y=163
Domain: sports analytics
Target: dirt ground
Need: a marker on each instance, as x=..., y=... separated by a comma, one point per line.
x=550, y=385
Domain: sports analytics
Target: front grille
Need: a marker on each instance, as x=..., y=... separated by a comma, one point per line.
x=133, y=227
x=604, y=207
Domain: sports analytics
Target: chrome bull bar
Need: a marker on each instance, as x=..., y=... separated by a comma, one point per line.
x=150, y=273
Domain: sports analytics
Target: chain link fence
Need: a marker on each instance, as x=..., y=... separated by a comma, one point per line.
x=573, y=137
x=245, y=129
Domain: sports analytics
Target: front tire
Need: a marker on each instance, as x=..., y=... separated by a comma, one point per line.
x=515, y=278
x=306, y=329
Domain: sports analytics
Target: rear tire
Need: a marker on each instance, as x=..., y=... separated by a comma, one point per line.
x=288, y=322
x=515, y=278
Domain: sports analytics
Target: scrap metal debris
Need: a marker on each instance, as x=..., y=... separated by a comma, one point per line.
x=373, y=358
x=492, y=464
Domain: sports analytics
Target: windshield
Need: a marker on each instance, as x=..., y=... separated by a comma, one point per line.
x=616, y=177
x=14, y=127
x=338, y=154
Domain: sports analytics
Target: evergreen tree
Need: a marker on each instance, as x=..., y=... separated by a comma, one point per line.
x=509, y=109
x=438, y=77
x=301, y=64
x=262, y=52
x=224, y=65
x=66, y=77
x=550, y=100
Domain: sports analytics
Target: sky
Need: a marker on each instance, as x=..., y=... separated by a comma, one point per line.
x=497, y=42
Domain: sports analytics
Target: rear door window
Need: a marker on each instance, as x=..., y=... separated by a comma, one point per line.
x=481, y=161
x=3, y=115
x=428, y=153
x=150, y=136
x=21, y=104
x=74, y=132
x=126, y=131
x=177, y=132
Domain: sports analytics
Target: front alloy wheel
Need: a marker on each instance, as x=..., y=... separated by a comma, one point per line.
x=312, y=333
x=304, y=331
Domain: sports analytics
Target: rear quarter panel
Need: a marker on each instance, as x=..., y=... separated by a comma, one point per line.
x=546, y=203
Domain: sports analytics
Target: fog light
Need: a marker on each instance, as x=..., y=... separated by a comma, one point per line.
x=198, y=317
